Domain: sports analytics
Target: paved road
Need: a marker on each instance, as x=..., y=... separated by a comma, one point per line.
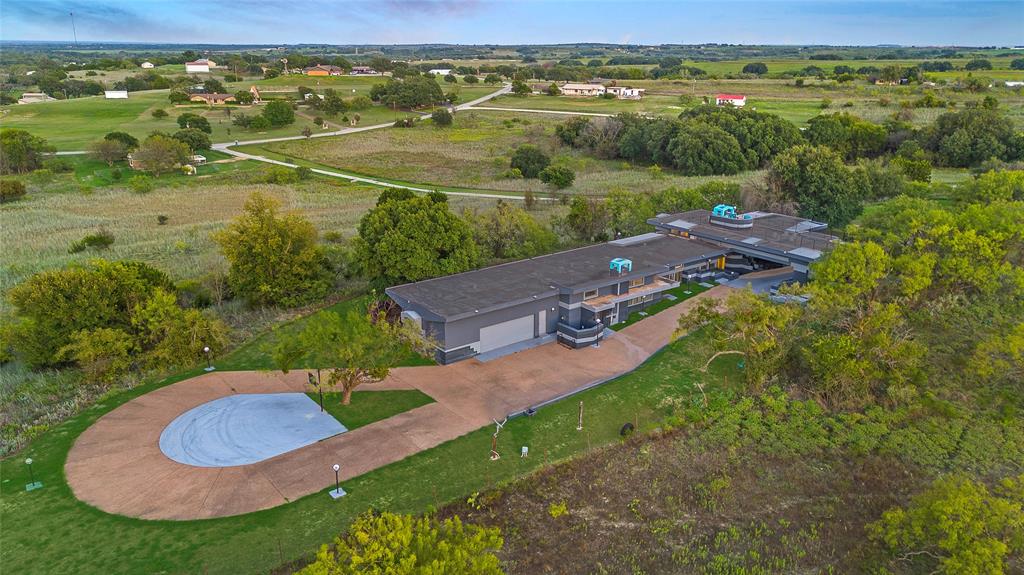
x=117, y=466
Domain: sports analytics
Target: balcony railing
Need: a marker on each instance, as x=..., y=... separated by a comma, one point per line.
x=604, y=302
x=579, y=336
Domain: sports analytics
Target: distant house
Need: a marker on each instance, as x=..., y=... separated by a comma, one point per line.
x=323, y=70
x=573, y=89
x=212, y=99
x=731, y=99
x=440, y=72
x=626, y=92
x=201, y=65
x=1013, y=84
x=115, y=94
x=362, y=71
x=33, y=97
x=146, y=65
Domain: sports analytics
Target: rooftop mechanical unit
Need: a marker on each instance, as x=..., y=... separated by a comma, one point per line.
x=725, y=215
x=619, y=265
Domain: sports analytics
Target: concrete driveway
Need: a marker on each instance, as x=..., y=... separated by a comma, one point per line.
x=116, y=465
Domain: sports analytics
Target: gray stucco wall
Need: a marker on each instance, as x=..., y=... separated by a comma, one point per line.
x=467, y=330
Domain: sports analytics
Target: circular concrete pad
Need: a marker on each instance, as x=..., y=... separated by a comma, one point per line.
x=246, y=428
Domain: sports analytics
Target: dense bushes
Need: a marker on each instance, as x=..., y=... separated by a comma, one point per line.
x=967, y=138
x=20, y=151
x=11, y=190
x=106, y=315
x=816, y=178
x=412, y=92
x=529, y=160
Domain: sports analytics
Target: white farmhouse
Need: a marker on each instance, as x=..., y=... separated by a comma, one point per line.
x=440, y=72
x=573, y=89
x=146, y=65
x=202, y=65
x=731, y=99
x=626, y=92
x=115, y=94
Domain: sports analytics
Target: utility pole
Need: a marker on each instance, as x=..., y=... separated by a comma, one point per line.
x=73, y=30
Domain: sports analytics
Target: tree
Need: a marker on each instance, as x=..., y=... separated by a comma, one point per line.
x=405, y=239
x=967, y=138
x=244, y=97
x=412, y=92
x=389, y=543
x=129, y=141
x=991, y=187
x=956, y=526
x=492, y=79
x=699, y=149
x=11, y=190
x=470, y=79
x=508, y=232
x=441, y=117
x=755, y=68
x=278, y=113
x=849, y=135
x=108, y=151
x=20, y=151
x=978, y=64
x=194, y=121
x=355, y=349
x=193, y=138
x=213, y=86
x=104, y=353
x=275, y=259
x=521, y=88
x=553, y=89
x=178, y=97
x=587, y=219
x=823, y=187
x=160, y=154
x=529, y=160
x=628, y=212
x=174, y=337
x=560, y=177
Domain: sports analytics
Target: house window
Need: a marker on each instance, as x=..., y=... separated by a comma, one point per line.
x=636, y=282
x=636, y=301
x=590, y=294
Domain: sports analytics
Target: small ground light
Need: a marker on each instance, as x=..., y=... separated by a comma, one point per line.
x=209, y=364
x=33, y=485
x=337, y=491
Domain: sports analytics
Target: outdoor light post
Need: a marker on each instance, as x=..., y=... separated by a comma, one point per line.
x=209, y=363
x=320, y=391
x=338, y=491
x=32, y=477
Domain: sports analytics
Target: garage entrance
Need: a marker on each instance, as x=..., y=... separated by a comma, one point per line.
x=506, y=333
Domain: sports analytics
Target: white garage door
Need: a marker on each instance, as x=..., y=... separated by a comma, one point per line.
x=506, y=333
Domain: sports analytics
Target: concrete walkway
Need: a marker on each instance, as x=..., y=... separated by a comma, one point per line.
x=117, y=466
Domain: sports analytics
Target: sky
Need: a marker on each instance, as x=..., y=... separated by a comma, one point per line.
x=834, y=22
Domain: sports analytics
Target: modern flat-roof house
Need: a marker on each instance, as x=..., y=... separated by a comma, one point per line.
x=323, y=70
x=572, y=296
x=212, y=99
x=574, y=89
x=201, y=65
x=731, y=99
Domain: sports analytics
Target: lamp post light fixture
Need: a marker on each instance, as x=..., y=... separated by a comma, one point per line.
x=337, y=491
x=209, y=363
x=33, y=484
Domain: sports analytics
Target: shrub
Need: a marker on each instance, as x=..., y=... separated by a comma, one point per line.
x=406, y=544
x=104, y=354
x=160, y=113
x=560, y=177
x=303, y=173
x=280, y=175
x=11, y=190
x=58, y=165
x=161, y=220
x=140, y=184
x=101, y=240
x=529, y=160
x=441, y=117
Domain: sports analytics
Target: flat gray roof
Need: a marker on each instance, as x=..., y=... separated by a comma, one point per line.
x=776, y=232
x=512, y=283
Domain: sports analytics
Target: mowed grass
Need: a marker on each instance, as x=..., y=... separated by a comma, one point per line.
x=475, y=152
x=256, y=354
x=37, y=230
x=368, y=405
x=49, y=531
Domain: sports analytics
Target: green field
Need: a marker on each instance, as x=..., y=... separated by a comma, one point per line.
x=474, y=154
x=48, y=530
x=369, y=405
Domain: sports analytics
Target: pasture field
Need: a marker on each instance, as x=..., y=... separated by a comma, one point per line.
x=39, y=228
x=474, y=153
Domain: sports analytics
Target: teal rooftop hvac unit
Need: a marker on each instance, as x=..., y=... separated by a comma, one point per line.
x=620, y=264
x=725, y=215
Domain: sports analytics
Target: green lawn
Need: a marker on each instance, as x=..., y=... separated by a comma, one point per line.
x=255, y=354
x=49, y=531
x=369, y=406
x=681, y=293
